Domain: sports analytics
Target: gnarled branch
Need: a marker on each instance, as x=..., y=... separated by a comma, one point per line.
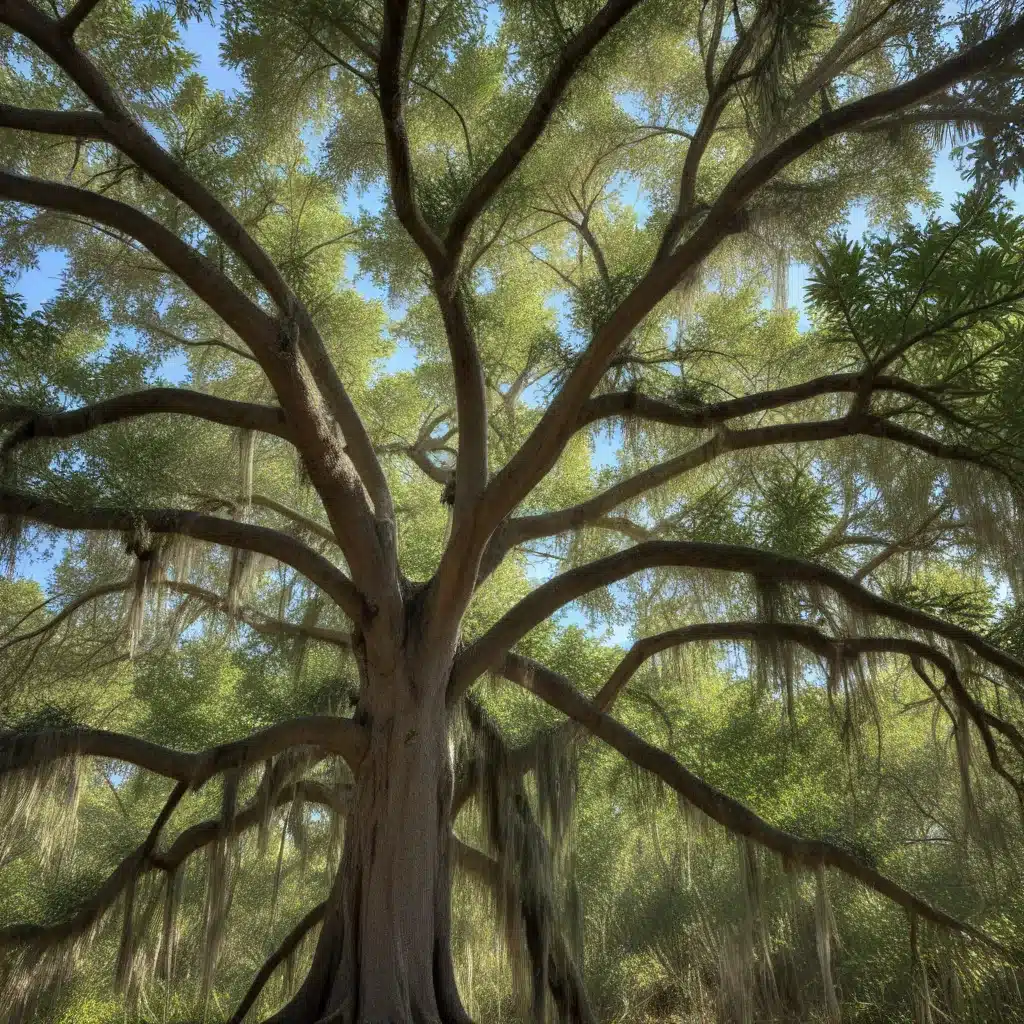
x=215, y=530
x=549, y=437
x=341, y=736
x=733, y=815
x=34, y=425
x=763, y=565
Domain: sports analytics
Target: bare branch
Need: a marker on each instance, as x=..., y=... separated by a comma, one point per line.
x=213, y=529
x=267, y=419
x=719, y=90
x=733, y=815
x=94, y=594
x=423, y=462
x=508, y=160
x=763, y=565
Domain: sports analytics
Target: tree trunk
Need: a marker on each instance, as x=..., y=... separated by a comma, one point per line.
x=384, y=954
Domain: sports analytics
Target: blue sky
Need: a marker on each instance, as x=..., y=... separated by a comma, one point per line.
x=202, y=38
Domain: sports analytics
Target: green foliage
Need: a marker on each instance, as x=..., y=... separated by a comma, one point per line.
x=669, y=919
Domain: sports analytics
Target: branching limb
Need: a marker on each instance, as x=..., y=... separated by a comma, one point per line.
x=288, y=945
x=279, y=508
x=555, y=690
x=104, y=899
x=68, y=25
x=94, y=594
x=74, y=124
x=202, y=834
x=215, y=530
x=526, y=528
x=829, y=647
x=341, y=736
x=256, y=621
x=228, y=301
x=324, y=455
x=763, y=565
x=392, y=108
x=509, y=159
x=267, y=419
x=638, y=406
x=146, y=858
x=547, y=440
x=132, y=139
x=470, y=388
x=263, y=624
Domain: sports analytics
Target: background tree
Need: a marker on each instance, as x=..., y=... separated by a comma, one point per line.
x=830, y=501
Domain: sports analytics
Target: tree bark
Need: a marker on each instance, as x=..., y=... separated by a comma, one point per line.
x=384, y=956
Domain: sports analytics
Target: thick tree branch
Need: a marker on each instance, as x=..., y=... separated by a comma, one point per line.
x=545, y=443
x=762, y=565
x=526, y=528
x=392, y=109
x=134, y=141
x=341, y=736
x=509, y=159
x=75, y=124
x=104, y=898
x=470, y=388
x=267, y=419
x=833, y=649
x=288, y=945
x=731, y=814
x=228, y=301
x=68, y=25
x=213, y=529
x=323, y=453
x=634, y=405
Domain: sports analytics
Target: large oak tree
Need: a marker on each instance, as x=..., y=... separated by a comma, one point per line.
x=580, y=205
